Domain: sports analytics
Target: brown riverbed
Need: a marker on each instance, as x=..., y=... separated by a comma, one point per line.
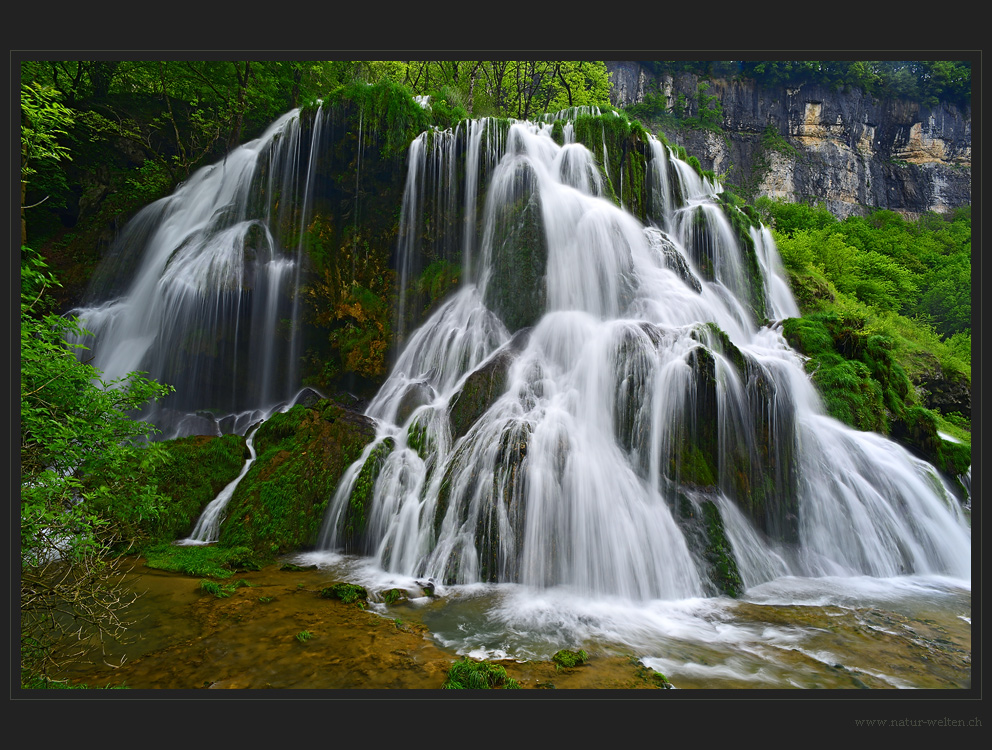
x=275, y=631
x=188, y=639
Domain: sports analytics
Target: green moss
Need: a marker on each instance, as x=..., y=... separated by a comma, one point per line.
x=565, y=659
x=854, y=372
x=222, y=591
x=692, y=466
x=279, y=505
x=346, y=592
x=386, y=111
x=692, y=458
x=436, y=281
x=391, y=596
x=418, y=438
x=720, y=553
x=191, y=472
x=621, y=149
x=203, y=560
x=863, y=385
x=651, y=676
x=468, y=674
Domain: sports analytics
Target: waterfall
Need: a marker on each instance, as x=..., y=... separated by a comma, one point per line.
x=604, y=403
x=211, y=304
x=604, y=396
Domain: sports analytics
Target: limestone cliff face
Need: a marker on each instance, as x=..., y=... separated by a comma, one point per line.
x=850, y=151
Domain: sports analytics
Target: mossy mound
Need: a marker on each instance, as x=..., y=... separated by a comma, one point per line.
x=194, y=470
x=203, y=560
x=345, y=592
x=301, y=454
x=565, y=659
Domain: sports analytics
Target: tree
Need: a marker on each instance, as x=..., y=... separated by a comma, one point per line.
x=79, y=448
x=43, y=120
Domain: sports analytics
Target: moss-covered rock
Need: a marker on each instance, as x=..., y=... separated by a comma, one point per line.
x=743, y=219
x=516, y=289
x=693, y=452
x=301, y=454
x=862, y=385
x=702, y=524
x=622, y=151
x=479, y=391
x=505, y=513
x=720, y=553
x=566, y=659
x=345, y=592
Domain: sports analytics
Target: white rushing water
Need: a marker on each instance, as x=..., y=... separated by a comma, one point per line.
x=208, y=285
x=572, y=476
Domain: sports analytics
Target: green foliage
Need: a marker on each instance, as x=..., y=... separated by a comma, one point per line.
x=510, y=88
x=855, y=361
x=926, y=81
x=914, y=276
x=45, y=121
x=710, y=109
x=468, y=674
x=387, y=110
x=436, y=280
x=772, y=140
x=74, y=426
x=303, y=636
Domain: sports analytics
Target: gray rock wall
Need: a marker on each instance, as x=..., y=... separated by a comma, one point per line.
x=848, y=150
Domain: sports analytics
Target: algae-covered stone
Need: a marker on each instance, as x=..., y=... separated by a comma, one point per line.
x=345, y=592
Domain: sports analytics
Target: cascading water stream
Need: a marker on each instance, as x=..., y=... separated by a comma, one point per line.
x=576, y=445
x=207, y=527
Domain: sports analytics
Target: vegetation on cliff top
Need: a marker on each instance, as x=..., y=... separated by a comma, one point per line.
x=926, y=81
